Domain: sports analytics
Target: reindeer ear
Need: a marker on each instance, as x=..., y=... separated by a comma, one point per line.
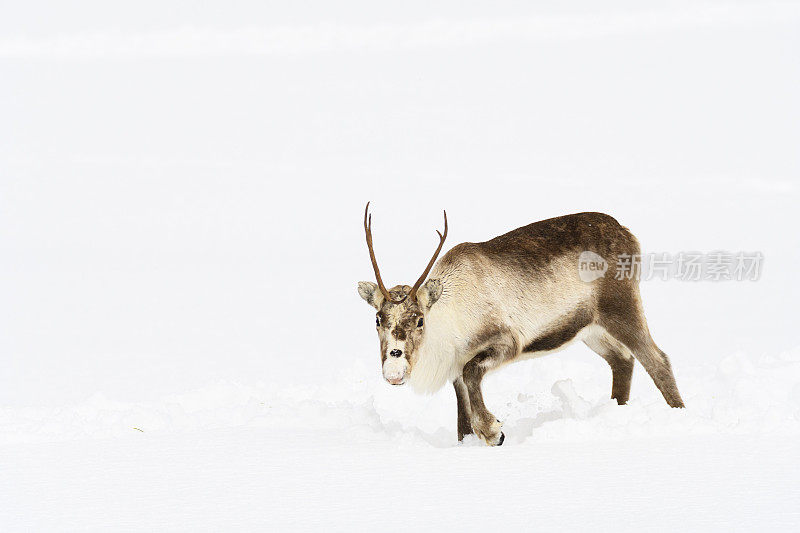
x=429, y=293
x=370, y=293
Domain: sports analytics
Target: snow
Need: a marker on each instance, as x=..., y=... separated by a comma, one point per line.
x=737, y=396
x=182, y=346
x=355, y=453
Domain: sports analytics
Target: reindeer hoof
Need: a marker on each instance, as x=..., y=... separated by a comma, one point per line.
x=489, y=434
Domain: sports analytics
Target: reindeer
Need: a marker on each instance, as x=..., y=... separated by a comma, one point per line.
x=514, y=297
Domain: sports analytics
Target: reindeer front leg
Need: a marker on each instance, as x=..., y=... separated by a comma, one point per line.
x=462, y=403
x=484, y=423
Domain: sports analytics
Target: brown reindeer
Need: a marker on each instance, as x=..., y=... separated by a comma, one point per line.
x=515, y=297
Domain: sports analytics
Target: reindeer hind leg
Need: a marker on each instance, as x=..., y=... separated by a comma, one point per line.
x=622, y=316
x=619, y=358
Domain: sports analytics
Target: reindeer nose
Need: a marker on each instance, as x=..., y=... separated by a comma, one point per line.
x=395, y=353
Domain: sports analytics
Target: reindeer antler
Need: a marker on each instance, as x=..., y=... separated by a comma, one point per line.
x=421, y=280
x=381, y=286
x=368, y=231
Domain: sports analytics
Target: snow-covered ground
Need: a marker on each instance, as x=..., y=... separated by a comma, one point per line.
x=354, y=453
x=181, y=190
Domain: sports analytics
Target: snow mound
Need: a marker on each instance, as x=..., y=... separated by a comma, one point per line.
x=547, y=400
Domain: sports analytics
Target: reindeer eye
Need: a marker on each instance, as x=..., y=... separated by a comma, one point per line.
x=377, y=321
x=419, y=322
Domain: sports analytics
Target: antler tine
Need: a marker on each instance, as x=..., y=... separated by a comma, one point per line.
x=368, y=231
x=421, y=280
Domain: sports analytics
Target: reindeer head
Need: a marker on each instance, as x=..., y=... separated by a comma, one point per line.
x=400, y=318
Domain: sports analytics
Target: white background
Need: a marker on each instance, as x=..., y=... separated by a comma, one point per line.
x=181, y=198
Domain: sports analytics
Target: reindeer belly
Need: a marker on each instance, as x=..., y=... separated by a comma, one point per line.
x=551, y=313
x=558, y=334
